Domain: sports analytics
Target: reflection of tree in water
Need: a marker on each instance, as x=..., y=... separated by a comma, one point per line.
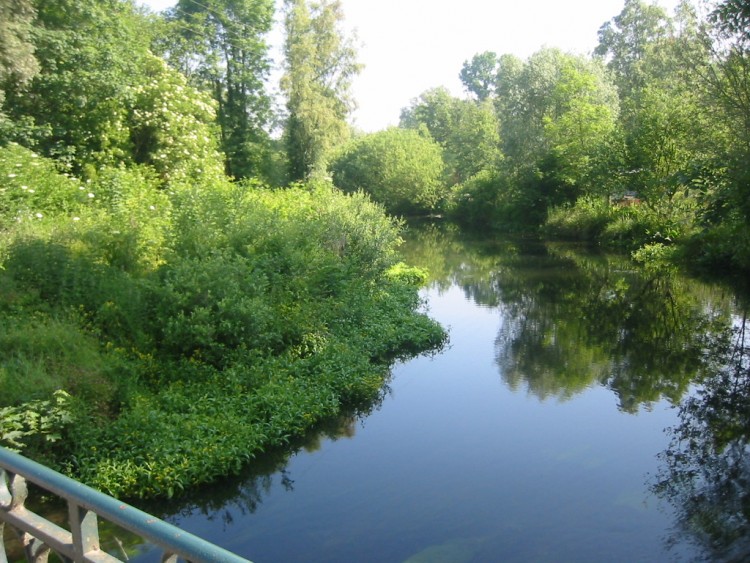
x=705, y=471
x=573, y=318
x=587, y=319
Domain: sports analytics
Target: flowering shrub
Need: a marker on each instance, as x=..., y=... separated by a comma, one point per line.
x=31, y=188
x=172, y=126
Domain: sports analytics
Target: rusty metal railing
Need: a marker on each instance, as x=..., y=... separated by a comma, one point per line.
x=80, y=544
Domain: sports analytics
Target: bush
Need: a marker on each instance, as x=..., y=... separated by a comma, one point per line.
x=399, y=168
x=586, y=220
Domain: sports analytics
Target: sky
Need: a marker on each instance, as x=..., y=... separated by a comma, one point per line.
x=410, y=46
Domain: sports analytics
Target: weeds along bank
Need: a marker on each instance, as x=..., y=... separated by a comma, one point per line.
x=154, y=338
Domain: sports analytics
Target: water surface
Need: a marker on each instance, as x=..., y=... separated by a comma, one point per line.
x=537, y=435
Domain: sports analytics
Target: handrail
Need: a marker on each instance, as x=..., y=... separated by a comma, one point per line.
x=81, y=543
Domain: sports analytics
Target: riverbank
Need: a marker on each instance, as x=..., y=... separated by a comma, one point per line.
x=155, y=340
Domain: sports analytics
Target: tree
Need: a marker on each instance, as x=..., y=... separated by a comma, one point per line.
x=319, y=68
x=582, y=121
x=733, y=17
x=479, y=76
x=398, y=168
x=172, y=126
x=468, y=131
x=17, y=60
x=90, y=54
x=558, y=113
x=627, y=43
x=221, y=46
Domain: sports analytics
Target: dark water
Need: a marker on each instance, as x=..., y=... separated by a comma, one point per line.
x=538, y=435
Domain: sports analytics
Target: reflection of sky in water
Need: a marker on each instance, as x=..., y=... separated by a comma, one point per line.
x=457, y=466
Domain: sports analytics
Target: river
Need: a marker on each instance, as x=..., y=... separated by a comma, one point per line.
x=541, y=433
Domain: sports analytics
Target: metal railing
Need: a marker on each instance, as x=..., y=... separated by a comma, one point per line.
x=39, y=536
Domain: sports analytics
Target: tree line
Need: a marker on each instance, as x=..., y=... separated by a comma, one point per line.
x=645, y=141
x=642, y=143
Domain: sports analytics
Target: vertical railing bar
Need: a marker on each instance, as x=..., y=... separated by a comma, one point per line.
x=84, y=528
x=18, y=491
x=5, y=496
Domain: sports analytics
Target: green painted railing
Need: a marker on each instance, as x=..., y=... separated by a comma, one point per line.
x=85, y=505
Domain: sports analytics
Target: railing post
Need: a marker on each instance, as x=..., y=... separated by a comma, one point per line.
x=85, y=530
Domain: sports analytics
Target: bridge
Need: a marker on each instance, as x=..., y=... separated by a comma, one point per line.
x=86, y=506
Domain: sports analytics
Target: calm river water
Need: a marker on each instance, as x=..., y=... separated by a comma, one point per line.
x=537, y=435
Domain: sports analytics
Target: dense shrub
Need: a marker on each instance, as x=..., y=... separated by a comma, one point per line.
x=194, y=326
x=399, y=168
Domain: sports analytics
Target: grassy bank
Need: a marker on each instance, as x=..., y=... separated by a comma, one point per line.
x=157, y=336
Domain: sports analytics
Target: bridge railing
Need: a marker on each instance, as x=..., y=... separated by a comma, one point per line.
x=80, y=544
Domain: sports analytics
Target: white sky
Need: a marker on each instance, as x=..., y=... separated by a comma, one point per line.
x=409, y=46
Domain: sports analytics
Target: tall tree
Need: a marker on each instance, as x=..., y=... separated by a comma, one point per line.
x=662, y=118
x=558, y=115
x=468, y=131
x=627, y=43
x=17, y=60
x=728, y=80
x=480, y=74
x=733, y=16
x=221, y=46
x=320, y=66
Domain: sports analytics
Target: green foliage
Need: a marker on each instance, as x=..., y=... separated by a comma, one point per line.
x=586, y=220
x=90, y=52
x=221, y=46
x=319, y=67
x=32, y=190
x=171, y=126
x=398, y=168
x=479, y=200
x=480, y=75
x=35, y=424
x=628, y=41
x=17, y=60
x=669, y=222
x=467, y=131
x=42, y=354
x=214, y=318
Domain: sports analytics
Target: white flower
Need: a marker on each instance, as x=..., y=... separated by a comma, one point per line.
x=91, y=195
x=31, y=191
x=24, y=187
x=76, y=218
x=39, y=215
x=11, y=175
x=151, y=207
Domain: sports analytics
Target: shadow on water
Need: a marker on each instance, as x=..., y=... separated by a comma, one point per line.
x=705, y=470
